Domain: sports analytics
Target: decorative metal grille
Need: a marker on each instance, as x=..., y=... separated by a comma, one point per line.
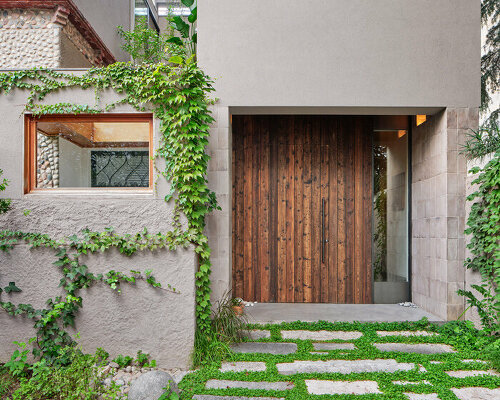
x=120, y=168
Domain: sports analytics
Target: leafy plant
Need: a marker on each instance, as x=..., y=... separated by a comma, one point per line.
x=492, y=351
x=5, y=204
x=227, y=325
x=123, y=361
x=18, y=364
x=188, y=38
x=80, y=379
x=490, y=61
x=142, y=360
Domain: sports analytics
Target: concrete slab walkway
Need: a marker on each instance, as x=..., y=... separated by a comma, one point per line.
x=263, y=313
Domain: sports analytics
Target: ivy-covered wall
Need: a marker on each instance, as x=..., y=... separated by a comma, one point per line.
x=157, y=321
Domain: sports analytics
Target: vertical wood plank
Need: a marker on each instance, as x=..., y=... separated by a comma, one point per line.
x=350, y=212
x=273, y=210
x=367, y=210
x=341, y=214
x=359, y=276
x=264, y=212
x=290, y=200
x=238, y=259
x=307, y=204
x=281, y=204
x=316, y=211
x=256, y=209
x=332, y=211
x=248, y=203
x=299, y=211
x=325, y=187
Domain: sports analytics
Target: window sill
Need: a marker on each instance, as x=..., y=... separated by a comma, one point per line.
x=92, y=193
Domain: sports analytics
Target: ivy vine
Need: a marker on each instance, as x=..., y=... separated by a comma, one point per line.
x=177, y=92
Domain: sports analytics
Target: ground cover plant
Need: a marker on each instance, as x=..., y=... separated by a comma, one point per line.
x=428, y=375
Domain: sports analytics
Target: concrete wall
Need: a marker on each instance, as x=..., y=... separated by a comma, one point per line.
x=158, y=322
x=342, y=52
x=105, y=17
x=438, y=211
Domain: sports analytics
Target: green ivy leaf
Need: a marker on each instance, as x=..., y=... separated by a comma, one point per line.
x=12, y=288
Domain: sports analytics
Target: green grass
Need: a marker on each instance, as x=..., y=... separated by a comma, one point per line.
x=463, y=337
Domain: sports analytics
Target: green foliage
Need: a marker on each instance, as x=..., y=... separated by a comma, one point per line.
x=142, y=360
x=490, y=61
x=492, y=352
x=435, y=373
x=144, y=44
x=227, y=325
x=79, y=379
x=187, y=37
x=177, y=93
x=123, y=361
x=482, y=142
x=483, y=225
x=4, y=203
x=18, y=364
x=50, y=323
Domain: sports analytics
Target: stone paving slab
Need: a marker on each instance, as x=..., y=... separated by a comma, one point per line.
x=406, y=333
x=411, y=382
x=225, y=384
x=210, y=397
x=321, y=335
x=240, y=366
x=256, y=334
x=334, y=346
x=343, y=366
x=341, y=387
x=264, y=347
x=478, y=361
x=422, y=396
x=420, y=348
x=477, y=393
x=467, y=374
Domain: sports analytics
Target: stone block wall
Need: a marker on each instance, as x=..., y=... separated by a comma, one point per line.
x=48, y=161
x=438, y=211
x=34, y=38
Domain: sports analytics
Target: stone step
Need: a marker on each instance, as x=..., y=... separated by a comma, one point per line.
x=422, y=396
x=241, y=366
x=341, y=387
x=467, y=374
x=343, y=366
x=321, y=335
x=333, y=346
x=256, y=334
x=227, y=384
x=406, y=333
x=211, y=397
x=475, y=393
x=420, y=348
x=265, y=347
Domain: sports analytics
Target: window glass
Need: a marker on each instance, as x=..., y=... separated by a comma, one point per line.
x=390, y=206
x=85, y=154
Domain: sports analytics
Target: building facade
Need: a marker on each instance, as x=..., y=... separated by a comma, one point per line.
x=335, y=156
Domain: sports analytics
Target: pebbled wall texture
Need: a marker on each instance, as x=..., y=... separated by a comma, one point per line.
x=42, y=38
x=155, y=321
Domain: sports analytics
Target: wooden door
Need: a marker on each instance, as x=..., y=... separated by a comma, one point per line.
x=302, y=194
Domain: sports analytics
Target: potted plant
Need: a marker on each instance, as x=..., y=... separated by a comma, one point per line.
x=237, y=305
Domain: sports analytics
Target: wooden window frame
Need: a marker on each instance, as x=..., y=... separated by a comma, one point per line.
x=30, y=138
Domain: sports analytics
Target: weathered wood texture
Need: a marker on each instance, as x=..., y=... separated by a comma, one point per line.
x=284, y=169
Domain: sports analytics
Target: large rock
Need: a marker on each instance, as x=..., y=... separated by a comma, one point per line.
x=150, y=386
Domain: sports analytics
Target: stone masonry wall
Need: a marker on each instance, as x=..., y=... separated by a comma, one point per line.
x=28, y=39
x=32, y=38
x=438, y=211
x=48, y=161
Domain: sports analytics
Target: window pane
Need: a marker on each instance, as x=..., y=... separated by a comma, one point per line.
x=390, y=206
x=92, y=154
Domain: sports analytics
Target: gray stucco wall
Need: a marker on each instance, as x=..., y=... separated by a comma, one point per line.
x=363, y=53
x=156, y=321
x=105, y=17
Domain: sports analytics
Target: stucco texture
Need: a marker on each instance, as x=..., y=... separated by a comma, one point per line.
x=155, y=321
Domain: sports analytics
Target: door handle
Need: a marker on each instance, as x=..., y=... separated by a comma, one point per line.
x=324, y=240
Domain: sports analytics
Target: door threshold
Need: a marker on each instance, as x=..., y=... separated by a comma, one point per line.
x=265, y=313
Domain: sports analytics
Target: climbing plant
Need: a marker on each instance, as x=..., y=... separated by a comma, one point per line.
x=177, y=93
x=4, y=203
x=483, y=226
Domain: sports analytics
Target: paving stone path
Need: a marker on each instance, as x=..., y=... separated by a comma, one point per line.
x=293, y=364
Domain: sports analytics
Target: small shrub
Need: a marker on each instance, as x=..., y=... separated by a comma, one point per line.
x=79, y=380
x=123, y=361
x=142, y=360
x=492, y=352
x=227, y=325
